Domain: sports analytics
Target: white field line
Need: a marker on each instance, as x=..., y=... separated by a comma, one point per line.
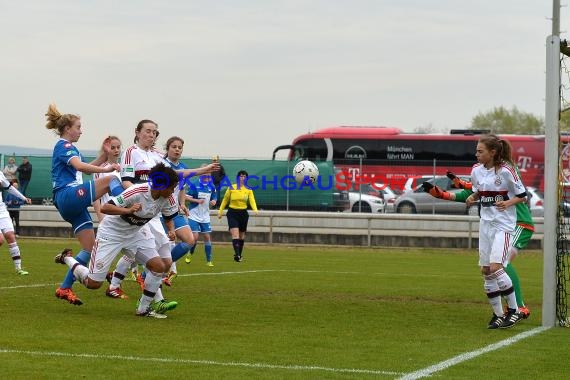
x=27, y=286
x=201, y=362
x=392, y=274
x=428, y=371
x=317, y=271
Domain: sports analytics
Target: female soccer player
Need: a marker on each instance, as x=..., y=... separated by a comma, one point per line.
x=523, y=233
x=136, y=162
x=126, y=227
x=498, y=188
x=112, y=158
x=201, y=195
x=6, y=226
x=71, y=196
x=174, y=148
x=237, y=198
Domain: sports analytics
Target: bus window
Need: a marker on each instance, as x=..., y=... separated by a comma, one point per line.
x=311, y=149
x=406, y=150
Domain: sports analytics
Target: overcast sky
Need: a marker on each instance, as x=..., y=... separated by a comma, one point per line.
x=237, y=78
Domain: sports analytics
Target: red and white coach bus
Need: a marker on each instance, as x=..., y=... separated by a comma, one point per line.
x=389, y=156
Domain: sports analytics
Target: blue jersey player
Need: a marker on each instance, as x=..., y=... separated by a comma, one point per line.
x=71, y=195
x=201, y=195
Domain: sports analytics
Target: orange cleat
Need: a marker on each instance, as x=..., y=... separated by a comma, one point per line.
x=68, y=295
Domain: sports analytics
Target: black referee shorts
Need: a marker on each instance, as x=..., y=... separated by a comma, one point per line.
x=237, y=219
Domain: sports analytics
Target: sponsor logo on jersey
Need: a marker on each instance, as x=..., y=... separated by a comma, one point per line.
x=491, y=200
x=135, y=220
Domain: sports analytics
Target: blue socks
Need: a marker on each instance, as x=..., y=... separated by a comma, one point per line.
x=208, y=249
x=83, y=258
x=179, y=250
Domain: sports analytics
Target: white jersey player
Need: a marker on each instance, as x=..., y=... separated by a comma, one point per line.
x=126, y=226
x=497, y=186
x=7, y=227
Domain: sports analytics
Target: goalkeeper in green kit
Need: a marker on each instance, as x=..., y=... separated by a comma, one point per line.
x=523, y=232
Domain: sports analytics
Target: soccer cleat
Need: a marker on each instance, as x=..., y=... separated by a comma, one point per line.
x=188, y=258
x=68, y=295
x=524, y=312
x=59, y=259
x=495, y=322
x=22, y=272
x=210, y=264
x=510, y=319
x=163, y=306
x=168, y=279
x=116, y=293
x=140, y=281
x=237, y=258
x=151, y=314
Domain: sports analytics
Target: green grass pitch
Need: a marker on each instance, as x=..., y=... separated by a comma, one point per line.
x=283, y=313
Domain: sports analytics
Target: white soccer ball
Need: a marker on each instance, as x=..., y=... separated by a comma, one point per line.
x=305, y=172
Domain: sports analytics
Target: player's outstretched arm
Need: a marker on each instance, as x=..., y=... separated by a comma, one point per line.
x=437, y=192
x=458, y=182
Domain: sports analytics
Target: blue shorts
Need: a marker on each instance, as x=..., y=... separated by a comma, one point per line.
x=72, y=203
x=204, y=228
x=179, y=220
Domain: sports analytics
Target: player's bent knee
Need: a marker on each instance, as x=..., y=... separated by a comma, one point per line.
x=156, y=265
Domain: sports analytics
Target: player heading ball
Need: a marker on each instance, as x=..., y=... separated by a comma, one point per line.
x=162, y=177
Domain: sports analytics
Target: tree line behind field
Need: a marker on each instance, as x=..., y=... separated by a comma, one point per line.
x=501, y=120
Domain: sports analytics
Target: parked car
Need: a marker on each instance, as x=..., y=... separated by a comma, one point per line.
x=389, y=195
x=418, y=201
x=381, y=190
x=361, y=202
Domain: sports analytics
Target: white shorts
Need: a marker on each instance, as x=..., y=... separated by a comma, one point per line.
x=6, y=224
x=161, y=239
x=494, y=244
x=107, y=247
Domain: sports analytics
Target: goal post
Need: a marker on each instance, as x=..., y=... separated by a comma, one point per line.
x=551, y=180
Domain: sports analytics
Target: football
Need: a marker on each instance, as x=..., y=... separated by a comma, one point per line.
x=305, y=172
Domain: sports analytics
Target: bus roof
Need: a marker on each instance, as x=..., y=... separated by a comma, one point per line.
x=346, y=130
x=376, y=132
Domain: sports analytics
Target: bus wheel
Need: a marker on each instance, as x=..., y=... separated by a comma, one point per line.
x=406, y=208
x=364, y=207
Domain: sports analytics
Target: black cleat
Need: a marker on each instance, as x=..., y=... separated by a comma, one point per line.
x=495, y=322
x=511, y=318
x=59, y=259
